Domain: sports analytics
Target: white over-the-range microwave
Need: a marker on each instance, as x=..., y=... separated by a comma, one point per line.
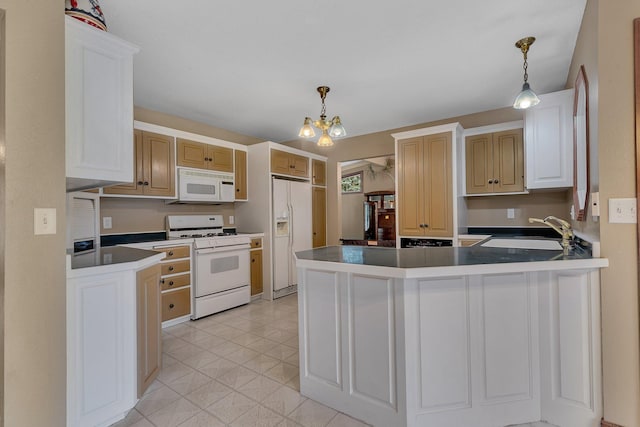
x=195, y=186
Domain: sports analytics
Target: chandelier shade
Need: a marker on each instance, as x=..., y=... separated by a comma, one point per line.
x=527, y=97
x=330, y=128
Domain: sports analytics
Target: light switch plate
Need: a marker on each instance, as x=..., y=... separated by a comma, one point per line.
x=511, y=213
x=623, y=211
x=595, y=204
x=44, y=221
x=106, y=222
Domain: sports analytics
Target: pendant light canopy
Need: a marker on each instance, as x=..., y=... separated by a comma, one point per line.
x=526, y=98
x=330, y=128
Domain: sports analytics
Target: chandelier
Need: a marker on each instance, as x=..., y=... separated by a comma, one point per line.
x=330, y=128
x=526, y=98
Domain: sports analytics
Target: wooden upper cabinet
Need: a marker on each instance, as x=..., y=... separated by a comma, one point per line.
x=495, y=162
x=154, y=170
x=425, y=193
x=241, y=174
x=286, y=163
x=318, y=172
x=199, y=155
x=319, y=216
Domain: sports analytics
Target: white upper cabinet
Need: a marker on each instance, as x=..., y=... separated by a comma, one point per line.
x=549, y=142
x=99, y=107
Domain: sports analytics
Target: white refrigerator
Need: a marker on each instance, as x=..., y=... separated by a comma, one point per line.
x=292, y=231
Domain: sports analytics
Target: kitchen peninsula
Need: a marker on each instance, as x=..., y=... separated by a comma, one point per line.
x=452, y=336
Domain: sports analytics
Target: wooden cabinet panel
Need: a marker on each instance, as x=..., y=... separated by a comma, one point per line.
x=495, y=162
x=175, y=252
x=256, y=243
x=425, y=199
x=154, y=167
x=220, y=158
x=256, y=272
x=319, y=216
x=318, y=172
x=241, y=174
x=289, y=164
x=148, y=327
x=191, y=154
x=174, y=267
x=175, y=282
x=176, y=304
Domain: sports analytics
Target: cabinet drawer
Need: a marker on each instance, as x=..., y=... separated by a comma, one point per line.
x=174, y=282
x=174, y=252
x=175, y=267
x=256, y=243
x=176, y=304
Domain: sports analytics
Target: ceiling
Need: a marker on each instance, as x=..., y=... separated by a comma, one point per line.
x=252, y=67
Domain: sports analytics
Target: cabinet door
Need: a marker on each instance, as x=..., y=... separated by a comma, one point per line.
x=220, y=158
x=148, y=321
x=241, y=174
x=176, y=303
x=135, y=187
x=256, y=272
x=159, y=165
x=191, y=154
x=410, y=204
x=478, y=163
x=318, y=172
x=300, y=166
x=319, y=216
x=437, y=181
x=280, y=162
x=508, y=161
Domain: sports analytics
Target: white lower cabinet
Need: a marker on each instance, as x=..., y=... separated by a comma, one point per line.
x=476, y=350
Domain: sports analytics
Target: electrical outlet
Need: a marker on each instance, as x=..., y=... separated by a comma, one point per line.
x=44, y=221
x=623, y=211
x=595, y=204
x=232, y=220
x=511, y=213
x=106, y=222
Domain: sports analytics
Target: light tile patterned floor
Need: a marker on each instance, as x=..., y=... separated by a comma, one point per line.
x=238, y=368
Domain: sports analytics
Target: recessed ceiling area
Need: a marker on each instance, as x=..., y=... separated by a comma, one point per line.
x=253, y=67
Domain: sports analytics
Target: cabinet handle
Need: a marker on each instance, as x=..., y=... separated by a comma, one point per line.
x=495, y=181
x=237, y=190
x=140, y=183
x=171, y=268
x=171, y=283
x=253, y=260
x=171, y=306
x=146, y=183
x=490, y=181
x=170, y=253
x=162, y=281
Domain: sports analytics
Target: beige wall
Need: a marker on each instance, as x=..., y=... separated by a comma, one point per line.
x=32, y=152
x=481, y=209
x=145, y=215
x=620, y=338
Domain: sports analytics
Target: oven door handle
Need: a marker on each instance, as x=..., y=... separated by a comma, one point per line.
x=221, y=249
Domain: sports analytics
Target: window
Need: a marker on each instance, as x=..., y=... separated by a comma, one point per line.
x=352, y=183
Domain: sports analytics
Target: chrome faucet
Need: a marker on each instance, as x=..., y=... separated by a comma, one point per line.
x=561, y=226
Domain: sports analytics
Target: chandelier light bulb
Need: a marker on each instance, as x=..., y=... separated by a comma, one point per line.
x=337, y=130
x=306, y=131
x=325, y=140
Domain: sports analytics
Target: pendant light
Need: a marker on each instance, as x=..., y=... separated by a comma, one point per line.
x=330, y=128
x=526, y=98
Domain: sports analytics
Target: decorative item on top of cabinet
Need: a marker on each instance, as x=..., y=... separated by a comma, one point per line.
x=199, y=155
x=154, y=167
x=548, y=136
x=319, y=216
x=495, y=162
x=148, y=322
x=240, y=159
x=425, y=186
x=175, y=283
x=99, y=106
x=318, y=172
x=255, y=253
x=285, y=163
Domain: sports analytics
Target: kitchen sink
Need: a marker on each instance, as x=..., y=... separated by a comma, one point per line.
x=524, y=244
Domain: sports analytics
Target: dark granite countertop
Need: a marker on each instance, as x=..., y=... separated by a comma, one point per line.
x=109, y=256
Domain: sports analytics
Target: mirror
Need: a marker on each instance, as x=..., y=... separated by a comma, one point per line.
x=581, y=146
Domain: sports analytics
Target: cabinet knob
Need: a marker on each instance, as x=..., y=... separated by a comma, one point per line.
x=170, y=253
x=171, y=283
x=171, y=268
x=495, y=181
x=171, y=306
x=140, y=183
x=162, y=281
x=237, y=190
x=253, y=260
x=146, y=183
x=490, y=181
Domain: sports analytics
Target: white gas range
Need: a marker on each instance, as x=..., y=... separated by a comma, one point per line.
x=221, y=258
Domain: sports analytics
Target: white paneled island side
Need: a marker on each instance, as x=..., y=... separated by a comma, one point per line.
x=451, y=337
